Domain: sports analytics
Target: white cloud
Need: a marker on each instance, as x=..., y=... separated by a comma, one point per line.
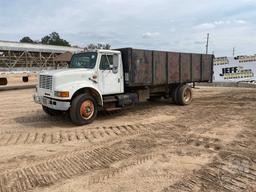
x=228, y=22
x=240, y=21
x=205, y=26
x=222, y=23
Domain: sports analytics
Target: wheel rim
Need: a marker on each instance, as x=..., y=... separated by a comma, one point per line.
x=87, y=109
x=187, y=95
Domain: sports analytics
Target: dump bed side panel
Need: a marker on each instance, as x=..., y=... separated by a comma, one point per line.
x=196, y=67
x=152, y=68
x=173, y=67
x=185, y=64
x=159, y=68
x=142, y=67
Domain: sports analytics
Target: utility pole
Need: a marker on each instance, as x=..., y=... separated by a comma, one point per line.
x=234, y=50
x=207, y=43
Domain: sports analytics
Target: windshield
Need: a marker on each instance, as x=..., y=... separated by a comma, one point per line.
x=84, y=60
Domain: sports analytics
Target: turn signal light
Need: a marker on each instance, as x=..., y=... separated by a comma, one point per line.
x=61, y=94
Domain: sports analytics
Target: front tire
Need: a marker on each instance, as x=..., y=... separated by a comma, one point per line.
x=83, y=109
x=50, y=111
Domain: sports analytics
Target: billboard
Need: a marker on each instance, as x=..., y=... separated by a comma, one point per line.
x=234, y=69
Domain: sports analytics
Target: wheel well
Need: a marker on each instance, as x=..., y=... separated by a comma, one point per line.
x=92, y=92
x=173, y=87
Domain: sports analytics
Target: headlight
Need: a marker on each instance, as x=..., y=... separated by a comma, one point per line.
x=61, y=94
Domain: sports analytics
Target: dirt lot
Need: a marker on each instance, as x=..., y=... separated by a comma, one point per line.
x=207, y=146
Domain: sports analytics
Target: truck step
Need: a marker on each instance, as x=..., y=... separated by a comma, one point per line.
x=113, y=109
x=110, y=100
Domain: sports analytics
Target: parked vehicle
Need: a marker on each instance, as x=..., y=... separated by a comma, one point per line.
x=114, y=79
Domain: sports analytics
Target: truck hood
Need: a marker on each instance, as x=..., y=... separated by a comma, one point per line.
x=65, y=76
x=64, y=72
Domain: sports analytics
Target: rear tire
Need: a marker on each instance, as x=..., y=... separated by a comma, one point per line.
x=184, y=95
x=83, y=109
x=51, y=112
x=175, y=94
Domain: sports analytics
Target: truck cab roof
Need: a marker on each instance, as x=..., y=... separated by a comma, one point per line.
x=102, y=51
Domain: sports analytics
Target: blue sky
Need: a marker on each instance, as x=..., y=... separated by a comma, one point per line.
x=175, y=25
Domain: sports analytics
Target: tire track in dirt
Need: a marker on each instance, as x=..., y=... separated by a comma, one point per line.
x=117, y=171
x=218, y=176
x=32, y=119
x=232, y=169
x=205, y=142
x=65, y=167
x=72, y=136
x=76, y=163
x=61, y=167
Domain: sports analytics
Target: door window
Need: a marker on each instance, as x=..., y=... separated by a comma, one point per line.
x=106, y=62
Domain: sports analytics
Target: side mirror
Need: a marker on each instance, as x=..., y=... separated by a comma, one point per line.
x=111, y=67
x=115, y=69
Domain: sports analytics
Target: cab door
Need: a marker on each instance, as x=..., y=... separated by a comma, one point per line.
x=110, y=74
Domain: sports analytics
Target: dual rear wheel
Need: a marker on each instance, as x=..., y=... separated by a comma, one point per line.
x=182, y=95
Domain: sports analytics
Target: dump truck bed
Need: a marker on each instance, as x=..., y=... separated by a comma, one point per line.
x=153, y=68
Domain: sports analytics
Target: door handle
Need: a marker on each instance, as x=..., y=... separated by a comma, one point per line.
x=118, y=80
x=94, y=81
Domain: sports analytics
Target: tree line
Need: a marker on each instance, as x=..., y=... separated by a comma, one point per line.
x=55, y=39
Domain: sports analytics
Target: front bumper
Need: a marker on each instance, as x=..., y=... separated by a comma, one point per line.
x=52, y=103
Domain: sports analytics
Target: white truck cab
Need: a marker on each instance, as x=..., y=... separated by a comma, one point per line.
x=80, y=88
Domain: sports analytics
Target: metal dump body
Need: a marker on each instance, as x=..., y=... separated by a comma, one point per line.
x=153, y=68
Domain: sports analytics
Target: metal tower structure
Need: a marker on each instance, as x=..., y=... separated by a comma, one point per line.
x=16, y=56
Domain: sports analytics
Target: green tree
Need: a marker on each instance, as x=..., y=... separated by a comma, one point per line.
x=26, y=40
x=54, y=39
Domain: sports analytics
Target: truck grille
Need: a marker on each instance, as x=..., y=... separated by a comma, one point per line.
x=45, y=82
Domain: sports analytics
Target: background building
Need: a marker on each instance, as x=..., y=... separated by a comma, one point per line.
x=16, y=56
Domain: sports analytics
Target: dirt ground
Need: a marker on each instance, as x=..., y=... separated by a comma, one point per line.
x=155, y=146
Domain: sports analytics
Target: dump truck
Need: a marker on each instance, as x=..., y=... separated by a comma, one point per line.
x=115, y=79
